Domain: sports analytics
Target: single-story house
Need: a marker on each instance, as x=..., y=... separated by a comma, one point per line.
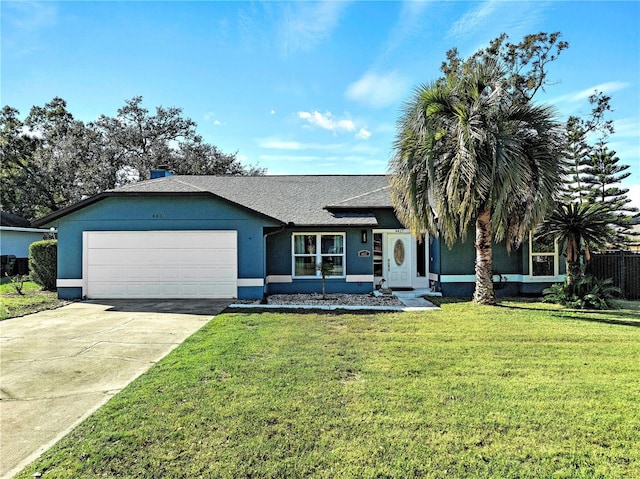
x=248, y=236
x=16, y=235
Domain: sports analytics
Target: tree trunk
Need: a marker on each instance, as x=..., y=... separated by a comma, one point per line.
x=484, y=293
x=574, y=273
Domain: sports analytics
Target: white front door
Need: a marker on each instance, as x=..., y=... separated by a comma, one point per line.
x=399, y=260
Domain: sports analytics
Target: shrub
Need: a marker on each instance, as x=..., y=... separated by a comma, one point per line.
x=589, y=293
x=17, y=282
x=43, y=263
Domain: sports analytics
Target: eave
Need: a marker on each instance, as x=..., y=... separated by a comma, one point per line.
x=115, y=194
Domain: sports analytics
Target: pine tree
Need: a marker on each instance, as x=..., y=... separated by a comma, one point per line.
x=592, y=170
x=603, y=175
x=576, y=159
x=578, y=149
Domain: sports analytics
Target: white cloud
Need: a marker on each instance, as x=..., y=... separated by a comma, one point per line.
x=326, y=121
x=210, y=115
x=272, y=112
x=380, y=165
x=582, y=95
x=25, y=25
x=363, y=134
x=490, y=18
x=366, y=148
x=296, y=158
x=408, y=24
x=627, y=128
x=633, y=194
x=386, y=128
x=628, y=152
x=32, y=16
x=378, y=91
x=275, y=144
x=470, y=21
x=279, y=144
x=307, y=24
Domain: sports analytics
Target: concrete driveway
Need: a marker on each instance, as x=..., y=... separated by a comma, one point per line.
x=59, y=366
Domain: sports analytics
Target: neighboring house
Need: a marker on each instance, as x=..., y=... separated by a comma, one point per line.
x=16, y=235
x=244, y=237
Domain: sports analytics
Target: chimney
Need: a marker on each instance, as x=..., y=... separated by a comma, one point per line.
x=160, y=172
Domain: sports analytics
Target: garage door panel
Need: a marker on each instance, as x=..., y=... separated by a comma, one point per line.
x=225, y=273
x=102, y=257
x=207, y=256
x=103, y=273
x=173, y=240
x=161, y=264
x=157, y=257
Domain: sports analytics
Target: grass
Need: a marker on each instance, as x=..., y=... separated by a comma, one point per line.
x=518, y=391
x=13, y=304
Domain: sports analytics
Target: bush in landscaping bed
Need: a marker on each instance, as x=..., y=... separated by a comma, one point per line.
x=43, y=263
x=588, y=293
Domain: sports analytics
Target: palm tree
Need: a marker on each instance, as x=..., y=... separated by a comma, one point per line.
x=581, y=227
x=468, y=151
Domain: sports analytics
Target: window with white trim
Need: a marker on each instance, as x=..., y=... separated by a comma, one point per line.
x=313, y=250
x=543, y=256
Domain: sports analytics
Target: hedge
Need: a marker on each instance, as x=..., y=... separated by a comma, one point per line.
x=43, y=263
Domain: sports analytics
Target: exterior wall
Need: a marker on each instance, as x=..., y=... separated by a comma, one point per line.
x=451, y=270
x=16, y=241
x=162, y=213
x=358, y=269
x=435, y=245
x=535, y=285
x=456, y=270
x=387, y=220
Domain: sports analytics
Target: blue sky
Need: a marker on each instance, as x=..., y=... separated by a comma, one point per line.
x=305, y=87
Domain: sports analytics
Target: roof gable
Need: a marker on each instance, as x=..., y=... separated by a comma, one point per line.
x=9, y=219
x=297, y=199
x=304, y=200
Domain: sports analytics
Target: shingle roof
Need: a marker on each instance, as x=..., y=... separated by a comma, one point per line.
x=300, y=199
x=372, y=199
x=8, y=219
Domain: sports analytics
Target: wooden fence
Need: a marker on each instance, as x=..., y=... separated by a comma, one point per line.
x=622, y=266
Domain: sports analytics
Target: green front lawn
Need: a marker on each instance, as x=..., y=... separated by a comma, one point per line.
x=518, y=391
x=13, y=304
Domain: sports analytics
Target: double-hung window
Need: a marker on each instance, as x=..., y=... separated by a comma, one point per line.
x=313, y=252
x=543, y=257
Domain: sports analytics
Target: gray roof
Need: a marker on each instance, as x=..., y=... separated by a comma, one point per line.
x=9, y=219
x=302, y=200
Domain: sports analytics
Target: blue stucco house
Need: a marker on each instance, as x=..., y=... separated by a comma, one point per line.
x=245, y=237
x=16, y=235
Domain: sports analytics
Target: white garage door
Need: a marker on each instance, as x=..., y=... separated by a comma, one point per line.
x=160, y=264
